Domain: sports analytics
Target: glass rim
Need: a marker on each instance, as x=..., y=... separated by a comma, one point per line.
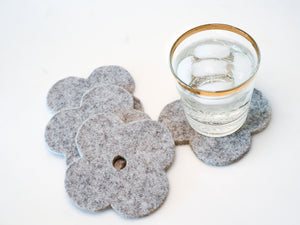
x=214, y=26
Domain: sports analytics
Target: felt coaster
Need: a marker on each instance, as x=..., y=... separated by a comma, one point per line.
x=67, y=93
x=62, y=128
x=121, y=165
x=218, y=151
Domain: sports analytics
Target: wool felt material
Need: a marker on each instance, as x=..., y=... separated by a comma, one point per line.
x=218, y=151
x=67, y=93
x=62, y=128
x=121, y=165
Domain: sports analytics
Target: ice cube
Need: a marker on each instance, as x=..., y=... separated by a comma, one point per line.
x=211, y=51
x=184, y=69
x=242, y=67
x=209, y=67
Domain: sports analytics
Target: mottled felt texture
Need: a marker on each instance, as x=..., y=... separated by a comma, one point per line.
x=137, y=104
x=62, y=128
x=146, y=148
x=259, y=114
x=218, y=151
x=67, y=93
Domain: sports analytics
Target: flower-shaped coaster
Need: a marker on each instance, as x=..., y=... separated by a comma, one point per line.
x=67, y=93
x=121, y=165
x=217, y=151
x=62, y=128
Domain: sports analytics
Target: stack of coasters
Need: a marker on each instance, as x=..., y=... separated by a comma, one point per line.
x=67, y=93
x=218, y=151
x=116, y=155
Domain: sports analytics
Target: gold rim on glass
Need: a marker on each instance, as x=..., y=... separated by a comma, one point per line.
x=214, y=27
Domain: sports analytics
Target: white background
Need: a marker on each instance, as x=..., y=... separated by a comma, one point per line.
x=44, y=41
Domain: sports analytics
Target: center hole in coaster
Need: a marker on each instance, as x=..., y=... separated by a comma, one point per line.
x=119, y=162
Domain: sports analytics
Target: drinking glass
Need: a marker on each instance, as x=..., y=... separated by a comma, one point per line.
x=215, y=67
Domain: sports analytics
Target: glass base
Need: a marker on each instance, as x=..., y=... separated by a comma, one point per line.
x=217, y=130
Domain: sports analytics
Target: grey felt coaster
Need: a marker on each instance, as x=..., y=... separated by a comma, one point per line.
x=62, y=128
x=218, y=151
x=67, y=92
x=121, y=165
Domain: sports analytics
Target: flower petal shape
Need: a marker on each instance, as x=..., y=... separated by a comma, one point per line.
x=86, y=184
x=142, y=191
x=123, y=165
x=173, y=117
x=221, y=151
x=66, y=93
x=217, y=151
x=115, y=75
